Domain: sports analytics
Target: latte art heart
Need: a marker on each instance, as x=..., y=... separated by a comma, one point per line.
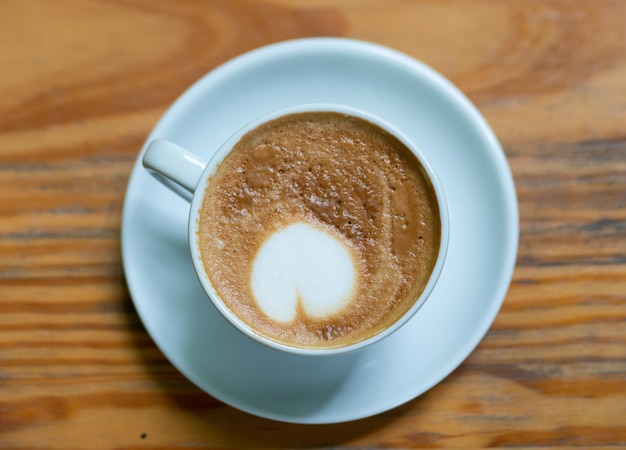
x=303, y=266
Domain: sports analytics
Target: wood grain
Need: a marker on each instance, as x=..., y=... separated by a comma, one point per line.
x=83, y=82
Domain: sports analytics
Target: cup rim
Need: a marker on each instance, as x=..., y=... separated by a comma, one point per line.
x=198, y=198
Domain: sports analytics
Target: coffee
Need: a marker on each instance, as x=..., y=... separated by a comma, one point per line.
x=319, y=229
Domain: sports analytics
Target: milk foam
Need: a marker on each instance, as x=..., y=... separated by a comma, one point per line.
x=303, y=264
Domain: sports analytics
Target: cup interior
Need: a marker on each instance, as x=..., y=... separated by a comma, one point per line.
x=198, y=199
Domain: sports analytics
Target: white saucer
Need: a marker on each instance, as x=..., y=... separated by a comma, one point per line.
x=481, y=257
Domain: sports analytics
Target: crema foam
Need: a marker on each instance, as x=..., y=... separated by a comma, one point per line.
x=319, y=229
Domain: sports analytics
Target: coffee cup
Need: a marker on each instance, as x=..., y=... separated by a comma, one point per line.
x=317, y=229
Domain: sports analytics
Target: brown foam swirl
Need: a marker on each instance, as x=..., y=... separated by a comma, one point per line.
x=339, y=173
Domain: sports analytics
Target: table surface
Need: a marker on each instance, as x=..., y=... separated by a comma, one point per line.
x=82, y=83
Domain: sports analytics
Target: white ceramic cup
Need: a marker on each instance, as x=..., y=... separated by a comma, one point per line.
x=188, y=175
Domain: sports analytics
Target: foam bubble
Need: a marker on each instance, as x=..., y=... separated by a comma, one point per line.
x=303, y=263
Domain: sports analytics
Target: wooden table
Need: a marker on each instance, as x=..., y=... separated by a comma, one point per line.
x=83, y=82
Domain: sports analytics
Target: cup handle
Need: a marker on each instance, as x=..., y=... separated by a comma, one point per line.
x=173, y=166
